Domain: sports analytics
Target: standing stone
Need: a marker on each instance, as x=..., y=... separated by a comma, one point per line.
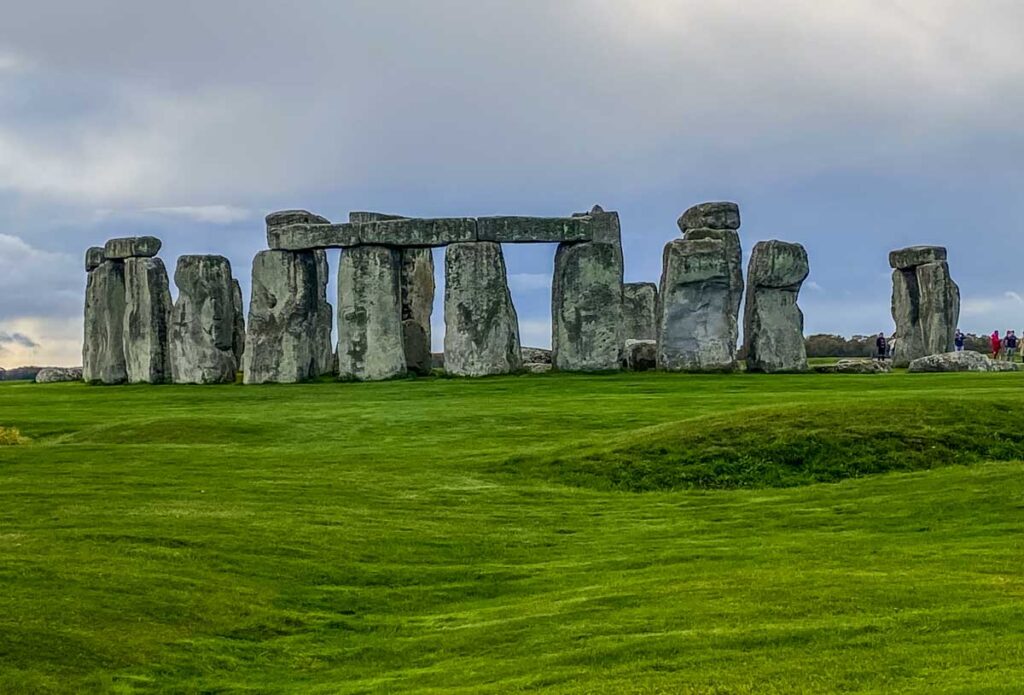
x=773, y=324
x=417, y=283
x=147, y=321
x=481, y=326
x=103, y=347
x=587, y=330
x=282, y=345
x=203, y=322
x=236, y=301
x=323, y=345
x=731, y=239
x=640, y=310
x=370, y=314
x=697, y=328
x=925, y=303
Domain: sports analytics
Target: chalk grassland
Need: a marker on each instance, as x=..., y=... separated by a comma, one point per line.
x=581, y=534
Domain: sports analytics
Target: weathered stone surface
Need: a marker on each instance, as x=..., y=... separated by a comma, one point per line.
x=283, y=344
x=482, y=329
x=717, y=215
x=147, y=319
x=587, y=329
x=697, y=328
x=731, y=239
x=535, y=355
x=203, y=322
x=307, y=237
x=913, y=256
x=103, y=347
x=370, y=314
x=965, y=361
x=360, y=217
x=132, y=247
x=640, y=310
x=286, y=218
x=773, y=323
x=93, y=258
x=533, y=229
x=417, y=289
x=437, y=360
x=537, y=367
x=855, y=366
x=239, y=330
x=926, y=309
x=641, y=355
x=323, y=344
x=418, y=231
x=52, y=375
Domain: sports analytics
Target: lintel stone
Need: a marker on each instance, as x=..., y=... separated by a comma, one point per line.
x=131, y=247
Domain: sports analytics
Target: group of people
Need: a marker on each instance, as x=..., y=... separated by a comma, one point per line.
x=1005, y=347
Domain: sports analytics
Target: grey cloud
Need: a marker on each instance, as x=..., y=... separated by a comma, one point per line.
x=19, y=339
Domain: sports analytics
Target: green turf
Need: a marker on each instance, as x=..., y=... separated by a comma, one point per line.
x=632, y=533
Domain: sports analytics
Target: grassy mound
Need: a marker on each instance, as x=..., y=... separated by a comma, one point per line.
x=784, y=446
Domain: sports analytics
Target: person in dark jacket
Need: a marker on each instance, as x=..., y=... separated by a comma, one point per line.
x=958, y=341
x=1010, y=346
x=881, y=347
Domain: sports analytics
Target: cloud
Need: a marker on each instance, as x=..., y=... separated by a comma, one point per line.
x=37, y=282
x=56, y=343
x=214, y=214
x=19, y=339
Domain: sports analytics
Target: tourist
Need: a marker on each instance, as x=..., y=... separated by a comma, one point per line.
x=1010, y=344
x=881, y=347
x=997, y=345
x=958, y=341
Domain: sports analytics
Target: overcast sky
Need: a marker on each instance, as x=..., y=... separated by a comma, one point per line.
x=851, y=127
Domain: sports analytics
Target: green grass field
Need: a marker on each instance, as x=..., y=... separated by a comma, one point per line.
x=644, y=533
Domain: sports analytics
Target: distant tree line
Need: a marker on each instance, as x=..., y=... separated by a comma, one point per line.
x=827, y=345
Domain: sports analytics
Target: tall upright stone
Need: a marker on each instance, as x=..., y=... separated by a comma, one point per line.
x=481, y=326
x=417, y=290
x=721, y=221
x=203, y=322
x=587, y=330
x=697, y=329
x=103, y=347
x=773, y=325
x=239, y=330
x=640, y=310
x=147, y=321
x=925, y=303
x=284, y=332
x=323, y=346
x=370, y=314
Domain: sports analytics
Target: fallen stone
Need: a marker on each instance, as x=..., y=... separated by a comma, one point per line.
x=370, y=344
x=588, y=331
x=965, y=361
x=855, y=366
x=911, y=257
x=533, y=229
x=697, y=326
x=93, y=258
x=641, y=355
x=53, y=375
x=773, y=323
x=132, y=247
x=537, y=367
x=203, y=322
x=640, y=310
x=482, y=329
x=147, y=319
x=284, y=335
x=535, y=355
x=717, y=215
x=103, y=348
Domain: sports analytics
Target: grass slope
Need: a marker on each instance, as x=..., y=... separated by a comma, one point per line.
x=486, y=536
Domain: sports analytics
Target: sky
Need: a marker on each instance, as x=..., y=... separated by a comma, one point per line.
x=851, y=127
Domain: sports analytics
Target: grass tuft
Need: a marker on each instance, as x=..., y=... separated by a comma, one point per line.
x=11, y=436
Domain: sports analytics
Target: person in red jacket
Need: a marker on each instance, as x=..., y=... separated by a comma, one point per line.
x=997, y=345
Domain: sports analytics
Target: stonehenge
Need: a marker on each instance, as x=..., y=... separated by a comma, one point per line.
x=925, y=303
x=688, y=322
x=773, y=325
x=202, y=341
